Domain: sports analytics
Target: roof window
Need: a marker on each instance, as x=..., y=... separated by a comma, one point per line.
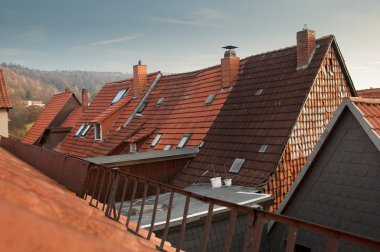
x=168, y=147
x=259, y=91
x=183, y=141
x=79, y=130
x=156, y=139
x=210, y=99
x=160, y=101
x=132, y=148
x=98, y=131
x=236, y=165
x=119, y=95
x=141, y=108
x=84, y=131
x=263, y=148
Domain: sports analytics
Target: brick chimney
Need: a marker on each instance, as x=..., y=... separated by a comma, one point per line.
x=229, y=66
x=305, y=47
x=139, y=78
x=84, y=98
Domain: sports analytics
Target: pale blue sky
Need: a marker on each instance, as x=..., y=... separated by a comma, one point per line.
x=177, y=36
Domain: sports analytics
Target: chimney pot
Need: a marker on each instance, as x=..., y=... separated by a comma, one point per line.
x=84, y=98
x=139, y=78
x=305, y=47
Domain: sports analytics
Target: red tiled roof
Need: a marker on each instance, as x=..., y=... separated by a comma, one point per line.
x=370, y=109
x=99, y=110
x=5, y=102
x=183, y=112
x=51, y=110
x=370, y=93
x=73, y=118
x=248, y=121
x=37, y=214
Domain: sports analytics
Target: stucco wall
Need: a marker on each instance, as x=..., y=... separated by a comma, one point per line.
x=4, y=122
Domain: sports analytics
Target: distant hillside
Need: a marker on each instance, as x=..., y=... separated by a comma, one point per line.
x=30, y=84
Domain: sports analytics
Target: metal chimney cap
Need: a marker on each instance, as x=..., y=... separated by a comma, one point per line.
x=229, y=47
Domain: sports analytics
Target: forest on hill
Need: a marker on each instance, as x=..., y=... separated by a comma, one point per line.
x=30, y=84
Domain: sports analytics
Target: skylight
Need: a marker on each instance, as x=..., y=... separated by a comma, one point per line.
x=160, y=101
x=156, y=139
x=142, y=107
x=237, y=165
x=263, y=148
x=84, y=131
x=119, y=95
x=79, y=130
x=259, y=91
x=168, y=147
x=210, y=99
x=183, y=141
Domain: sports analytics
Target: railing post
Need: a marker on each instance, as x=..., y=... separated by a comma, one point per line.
x=112, y=191
x=252, y=239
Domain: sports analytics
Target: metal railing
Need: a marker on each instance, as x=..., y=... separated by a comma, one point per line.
x=106, y=186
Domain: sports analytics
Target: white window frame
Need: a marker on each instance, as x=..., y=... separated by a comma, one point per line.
x=156, y=140
x=80, y=130
x=96, y=132
x=132, y=147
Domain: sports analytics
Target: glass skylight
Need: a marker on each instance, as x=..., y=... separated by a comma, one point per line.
x=237, y=165
x=168, y=147
x=160, y=101
x=156, y=139
x=84, y=131
x=263, y=148
x=119, y=95
x=183, y=141
x=79, y=130
x=259, y=91
x=210, y=99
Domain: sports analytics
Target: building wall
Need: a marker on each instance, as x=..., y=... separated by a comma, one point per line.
x=326, y=94
x=4, y=122
x=342, y=189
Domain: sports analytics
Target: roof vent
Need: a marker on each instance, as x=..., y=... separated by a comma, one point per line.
x=237, y=165
x=160, y=101
x=210, y=99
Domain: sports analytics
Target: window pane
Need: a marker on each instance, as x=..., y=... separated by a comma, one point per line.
x=119, y=95
x=85, y=130
x=79, y=130
x=156, y=139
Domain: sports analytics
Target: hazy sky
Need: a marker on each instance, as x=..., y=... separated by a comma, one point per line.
x=178, y=35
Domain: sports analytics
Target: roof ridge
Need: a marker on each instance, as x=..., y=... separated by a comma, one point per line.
x=365, y=100
x=193, y=72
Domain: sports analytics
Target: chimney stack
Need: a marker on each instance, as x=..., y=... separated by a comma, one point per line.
x=139, y=78
x=229, y=66
x=305, y=47
x=84, y=98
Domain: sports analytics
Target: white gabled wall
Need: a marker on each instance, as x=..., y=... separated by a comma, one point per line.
x=4, y=122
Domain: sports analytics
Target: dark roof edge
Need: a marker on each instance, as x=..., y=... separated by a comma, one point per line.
x=346, y=104
x=142, y=158
x=343, y=65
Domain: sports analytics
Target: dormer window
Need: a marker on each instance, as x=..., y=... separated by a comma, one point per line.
x=84, y=131
x=98, y=131
x=80, y=130
x=160, y=101
x=119, y=95
x=141, y=108
x=156, y=139
x=210, y=99
x=132, y=148
x=183, y=141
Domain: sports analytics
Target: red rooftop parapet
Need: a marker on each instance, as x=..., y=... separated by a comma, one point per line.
x=139, y=78
x=305, y=47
